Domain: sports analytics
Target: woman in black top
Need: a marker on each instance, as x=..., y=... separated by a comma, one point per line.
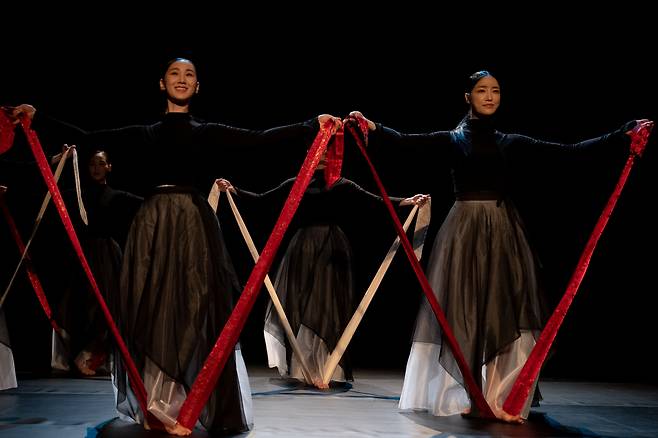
x=110, y=213
x=481, y=268
x=314, y=279
x=177, y=280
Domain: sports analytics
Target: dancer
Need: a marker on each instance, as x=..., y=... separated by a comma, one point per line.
x=481, y=268
x=85, y=341
x=177, y=279
x=314, y=280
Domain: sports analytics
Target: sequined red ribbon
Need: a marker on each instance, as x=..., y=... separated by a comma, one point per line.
x=526, y=378
x=135, y=380
x=6, y=132
x=334, y=159
x=32, y=276
x=225, y=345
x=472, y=387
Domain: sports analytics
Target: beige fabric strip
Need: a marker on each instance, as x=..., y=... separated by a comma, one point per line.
x=419, y=238
x=46, y=200
x=78, y=192
x=213, y=200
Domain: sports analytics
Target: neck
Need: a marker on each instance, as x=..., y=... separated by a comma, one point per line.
x=473, y=115
x=173, y=107
x=483, y=118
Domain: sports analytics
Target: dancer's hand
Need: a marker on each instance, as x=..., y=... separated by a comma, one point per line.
x=56, y=158
x=357, y=115
x=418, y=200
x=640, y=135
x=16, y=112
x=224, y=185
x=324, y=118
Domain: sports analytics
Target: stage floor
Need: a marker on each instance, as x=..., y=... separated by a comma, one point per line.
x=71, y=407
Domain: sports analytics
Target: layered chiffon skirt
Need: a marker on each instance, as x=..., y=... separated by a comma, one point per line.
x=177, y=290
x=484, y=276
x=315, y=286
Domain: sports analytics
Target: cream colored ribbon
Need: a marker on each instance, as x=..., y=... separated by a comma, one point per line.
x=420, y=231
x=61, y=159
x=78, y=192
x=213, y=200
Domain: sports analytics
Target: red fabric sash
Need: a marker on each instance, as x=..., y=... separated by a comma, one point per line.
x=31, y=274
x=135, y=380
x=6, y=132
x=212, y=368
x=334, y=159
x=526, y=378
x=476, y=393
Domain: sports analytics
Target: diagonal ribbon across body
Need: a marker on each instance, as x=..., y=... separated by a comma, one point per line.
x=31, y=274
x=332, y=362
x=135, y=379
x=526, y=378
x=471, y=385
x=25, y=248
x=213, y=366
x=213, y=200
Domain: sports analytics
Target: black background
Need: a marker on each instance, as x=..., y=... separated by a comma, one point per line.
x=563, y=77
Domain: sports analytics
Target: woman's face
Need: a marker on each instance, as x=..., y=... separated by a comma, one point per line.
x=180, y=81
x=99, y=167
x=484, y=98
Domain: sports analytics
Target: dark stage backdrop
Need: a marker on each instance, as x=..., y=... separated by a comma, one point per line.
x=561, y=87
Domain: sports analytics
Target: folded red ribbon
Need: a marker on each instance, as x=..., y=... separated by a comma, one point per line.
x=6, y=132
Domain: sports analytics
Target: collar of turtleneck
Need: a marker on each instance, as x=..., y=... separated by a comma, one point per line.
x=480, y=125
x=176, y=116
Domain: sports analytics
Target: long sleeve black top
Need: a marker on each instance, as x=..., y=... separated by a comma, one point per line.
x=479, y=156
x=182, y=150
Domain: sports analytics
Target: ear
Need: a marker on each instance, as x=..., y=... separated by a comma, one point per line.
x=196, y=91
x=109, y=168
x=162, y=85
x=467, y=98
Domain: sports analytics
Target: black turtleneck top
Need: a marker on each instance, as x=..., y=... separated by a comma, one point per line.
x=181, y=149
x=479, y=155
x=110, y=212
x=322, y=205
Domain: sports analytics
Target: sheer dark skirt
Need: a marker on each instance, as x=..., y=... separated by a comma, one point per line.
x=177, y=286
x=315, y=285
x=484, y=275
x=7, y=369
x=79, y=312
